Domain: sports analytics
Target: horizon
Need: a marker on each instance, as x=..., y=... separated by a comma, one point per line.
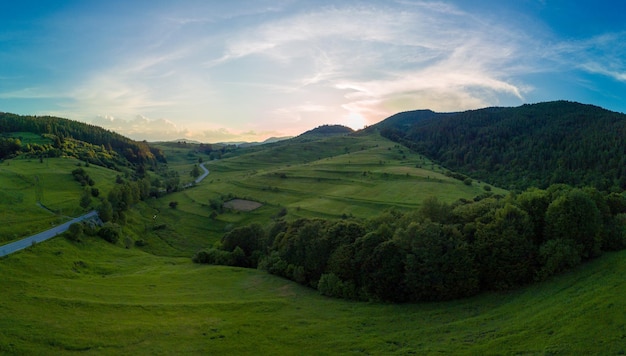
x=249, y=70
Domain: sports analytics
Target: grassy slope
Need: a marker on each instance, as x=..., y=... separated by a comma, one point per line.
x=373, y=176
x=323, y=179
x=21, y=216
x=60, y=297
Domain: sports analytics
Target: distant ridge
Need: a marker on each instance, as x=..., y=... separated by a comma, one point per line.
x=328, y=130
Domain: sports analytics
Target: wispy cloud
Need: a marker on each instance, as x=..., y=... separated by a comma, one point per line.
x=379, y=56
x=142, y=128
x=221, y=70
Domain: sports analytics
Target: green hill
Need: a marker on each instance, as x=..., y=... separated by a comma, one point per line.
x=61, y=298
x=37, y=194
x=531, y=145
x=143, y=295
x=56, y=130
x=326, y=131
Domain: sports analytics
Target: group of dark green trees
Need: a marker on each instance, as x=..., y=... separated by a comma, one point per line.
x=440, y=252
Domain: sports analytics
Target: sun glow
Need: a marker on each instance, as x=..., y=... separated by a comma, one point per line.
x=355, y=121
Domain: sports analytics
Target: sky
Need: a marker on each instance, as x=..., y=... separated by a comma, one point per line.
x=217, y=71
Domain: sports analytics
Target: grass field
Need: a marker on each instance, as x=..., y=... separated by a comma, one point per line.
x=23, y=181
x=61, y=297
x=358, y=176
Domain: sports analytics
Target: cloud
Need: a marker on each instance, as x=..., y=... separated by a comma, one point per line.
x=226, y=135
x=142, y=128
x=228, y=70
x=378, y=56
x=31, y=93
x=602, y=55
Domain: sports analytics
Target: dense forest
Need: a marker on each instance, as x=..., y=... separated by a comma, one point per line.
x=516, y=148
x=59, y=130
x=438, y=252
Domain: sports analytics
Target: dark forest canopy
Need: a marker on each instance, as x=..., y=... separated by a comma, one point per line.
x=61, y=129
x=516, y=148
x=439, y=252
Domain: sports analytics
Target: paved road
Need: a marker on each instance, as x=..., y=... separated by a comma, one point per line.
x=206, y=173
x=43, y=236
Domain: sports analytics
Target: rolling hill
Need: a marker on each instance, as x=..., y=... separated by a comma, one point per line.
x=516, y=148
x=143, y=294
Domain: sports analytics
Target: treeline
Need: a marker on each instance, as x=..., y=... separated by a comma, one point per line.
x=440, y=252
x=135, y=152
x=51, y=146
x=516, y=148
x=130, y=191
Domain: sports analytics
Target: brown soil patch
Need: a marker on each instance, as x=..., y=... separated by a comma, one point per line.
x=242, y=205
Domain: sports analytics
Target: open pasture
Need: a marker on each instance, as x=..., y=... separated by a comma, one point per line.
x=62, y=297
x=25, y=182
x=353, y=175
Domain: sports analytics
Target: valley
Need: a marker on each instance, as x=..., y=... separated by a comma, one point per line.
x=144, y=295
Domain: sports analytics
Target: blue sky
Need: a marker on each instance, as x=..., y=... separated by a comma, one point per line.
x=247, y=70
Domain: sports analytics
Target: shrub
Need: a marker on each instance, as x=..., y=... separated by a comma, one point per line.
x=110, y=233
x=75, y=232
x=214, y=257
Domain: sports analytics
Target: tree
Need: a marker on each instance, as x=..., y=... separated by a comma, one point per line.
x=574, y=216
x=195, y=171
x=105, y=211
x=248, y=239
x=504, y=249
x=439, y=265
x=535, y=203
x=85, y=199
x=435, y=210
x=173, y=204
x=384, y=273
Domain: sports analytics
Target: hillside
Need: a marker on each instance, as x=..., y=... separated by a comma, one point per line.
x=142, y=294
x=57, y=130
x=62, y=297
x=530, y=145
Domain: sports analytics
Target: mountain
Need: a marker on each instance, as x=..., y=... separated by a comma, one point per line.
x=519, y=147
x=269, y=140
x=326, y=131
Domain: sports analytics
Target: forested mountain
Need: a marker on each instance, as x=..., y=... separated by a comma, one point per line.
x=531, y=145
x=326, y=131
x=61, y=129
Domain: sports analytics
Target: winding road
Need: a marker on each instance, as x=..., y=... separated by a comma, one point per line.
x=206, y=173
x=43, y=236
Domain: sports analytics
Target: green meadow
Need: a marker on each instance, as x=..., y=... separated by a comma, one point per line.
x=25, y=182
x=353, y=176
x=62, y=297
